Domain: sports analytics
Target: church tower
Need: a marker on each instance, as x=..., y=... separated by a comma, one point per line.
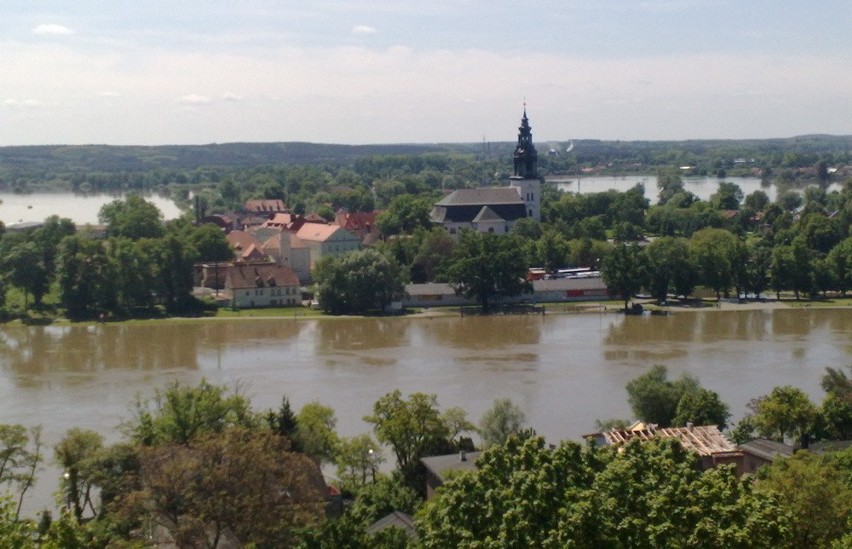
x=525, y=179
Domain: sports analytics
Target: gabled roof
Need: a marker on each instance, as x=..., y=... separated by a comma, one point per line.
x=396, y=519
x=705, y=440
x=487, y=214
x=440, y=466
x=253, y=252
x=317, y=232
x=265, y=206
x=256, y=276
x=357, y=220
x=766, y=449
x=484, y=196
x=241, y=240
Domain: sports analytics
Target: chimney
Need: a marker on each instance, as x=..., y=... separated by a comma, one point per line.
x=462, y=456
x=689, y=426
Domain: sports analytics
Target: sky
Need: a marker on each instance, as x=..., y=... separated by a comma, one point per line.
x=398, y=71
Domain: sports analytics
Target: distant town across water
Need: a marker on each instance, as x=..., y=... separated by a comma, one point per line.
x=83, y=208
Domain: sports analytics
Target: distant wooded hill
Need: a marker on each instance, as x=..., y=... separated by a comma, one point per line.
x=29, y=160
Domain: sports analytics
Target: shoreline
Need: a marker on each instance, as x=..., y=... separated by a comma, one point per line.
x=553, y=308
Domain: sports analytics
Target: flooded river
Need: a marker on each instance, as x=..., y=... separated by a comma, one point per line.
x=564, y=371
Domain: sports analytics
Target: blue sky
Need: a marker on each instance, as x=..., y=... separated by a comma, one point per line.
x=356, y=72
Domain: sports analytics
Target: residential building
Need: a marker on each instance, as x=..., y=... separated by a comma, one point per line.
x=265, y=206
x=712, y=447
x=326, y=241
x=246, y=247
x=262, y=285
x=439, y=468
x=361, y=224
x=761, y=451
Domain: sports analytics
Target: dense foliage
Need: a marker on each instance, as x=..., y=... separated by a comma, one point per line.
x=524, y=494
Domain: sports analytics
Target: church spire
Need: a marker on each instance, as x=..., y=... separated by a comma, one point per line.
x=525, y=157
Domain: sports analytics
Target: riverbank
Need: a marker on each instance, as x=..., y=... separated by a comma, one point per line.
x=573, y=307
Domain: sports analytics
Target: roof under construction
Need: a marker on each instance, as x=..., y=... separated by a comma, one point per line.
x=705, y=440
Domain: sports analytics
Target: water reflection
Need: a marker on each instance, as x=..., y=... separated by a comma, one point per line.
x=358, y=334
x=491, y=332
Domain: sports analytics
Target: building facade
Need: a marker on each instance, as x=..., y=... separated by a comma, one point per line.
x=496, y=209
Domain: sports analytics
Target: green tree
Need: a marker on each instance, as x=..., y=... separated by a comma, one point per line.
x=837, y=405
x=715, y=253
x=434, y=252
x=820, y=232
x=455, y=419
x=75, y=454
x=358, y=282
x=759, y=259
x=315, y=432
x=358, y=461
x=283, y=421
x=785, y=413
x=387, y=494
x=133, y=217
x=405, y=214
x=791, y=268
x=132, y=282
x=669, y=183
x=840, y=261
x=816, y=493
x=757, y=200
x=656, y=399
x=86, y=277
x=701, y=407
x=25, y=269
x=173, y=274
x=623, y=270
x=501, y=421
x=413, y=429
x=669, y=268
x=552, y=250
x=527, y=227
x=523, y=494
x=727, y=197
x=486, y=266
x=210, y=243
x=180, y=413
x=20, y=459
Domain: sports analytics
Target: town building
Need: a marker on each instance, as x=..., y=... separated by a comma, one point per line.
x=440, y=468
x=262, y=285
x=713, y=447
x=496, y=209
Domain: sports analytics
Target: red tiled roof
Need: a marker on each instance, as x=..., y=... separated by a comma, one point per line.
x=265, y=206
x=253, y=276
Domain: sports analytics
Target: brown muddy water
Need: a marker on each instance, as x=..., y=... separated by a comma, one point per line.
x=564, y=371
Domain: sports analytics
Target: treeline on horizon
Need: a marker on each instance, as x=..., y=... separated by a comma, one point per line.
x=107, y=168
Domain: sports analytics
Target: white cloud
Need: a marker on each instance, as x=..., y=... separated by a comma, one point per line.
x=408, y=94
x=193, y=99
x=30, y=103
x=52, y=29
x=363, y=29
x=109, y=93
